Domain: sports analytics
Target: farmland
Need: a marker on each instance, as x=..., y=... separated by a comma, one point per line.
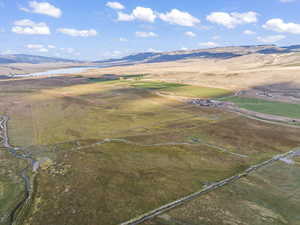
x=267, y=107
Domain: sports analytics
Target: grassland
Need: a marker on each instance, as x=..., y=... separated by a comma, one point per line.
x=246, y=201
x=169, y=149
x=268, y=107
x=239, y=73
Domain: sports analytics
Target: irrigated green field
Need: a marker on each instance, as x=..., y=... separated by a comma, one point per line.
x=112, y=150
x=268, y=107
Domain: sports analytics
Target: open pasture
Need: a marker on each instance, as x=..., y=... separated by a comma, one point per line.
x=112, y=150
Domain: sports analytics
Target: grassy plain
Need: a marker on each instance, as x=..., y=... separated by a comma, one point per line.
x=167, y=149
x=246, y=201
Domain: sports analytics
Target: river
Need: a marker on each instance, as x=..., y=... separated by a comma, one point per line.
x=72, y=70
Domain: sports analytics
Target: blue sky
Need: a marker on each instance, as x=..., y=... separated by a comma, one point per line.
x=97, y=29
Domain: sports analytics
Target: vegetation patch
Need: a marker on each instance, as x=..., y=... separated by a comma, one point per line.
x=250, y=203
x=268, y=107
x=183, y=89
x=113, y=77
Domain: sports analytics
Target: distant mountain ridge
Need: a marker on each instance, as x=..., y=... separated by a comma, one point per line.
x=154, y=57
x=34, y=59
x=212, y=53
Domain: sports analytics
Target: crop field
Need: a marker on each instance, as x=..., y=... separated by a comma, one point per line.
x=110, y=150
x=268, y=107
x=269, y=196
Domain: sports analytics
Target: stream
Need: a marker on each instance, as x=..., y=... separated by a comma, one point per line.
x=15, y=151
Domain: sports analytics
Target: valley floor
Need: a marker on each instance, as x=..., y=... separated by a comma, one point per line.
x=109, y=150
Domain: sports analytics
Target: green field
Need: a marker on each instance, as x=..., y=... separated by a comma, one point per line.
x=268, y=107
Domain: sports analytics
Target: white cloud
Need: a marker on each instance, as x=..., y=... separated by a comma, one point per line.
x=68, y=50
x=43, y=8
x=139, y=13
x=279, y=25
x=249, y=32
x=43, y=50
x=78, y=33
x=123, y=39
x=144, y=14
x=51, y=46
x=125, y=17
x=115, y=5
x=145, y=34
x=208, y=44
x=184, y=49
x=37, y=47
x=216, y=37
x=116, y=53
x=271, y=39
x=29, y=27
x=286, y=1
x=178, y=17
x=231, y=20
x=190, y=34
x=34, y=46
x=153, y=50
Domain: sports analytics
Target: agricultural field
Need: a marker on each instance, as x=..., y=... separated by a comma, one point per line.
x=267, y=107
x=110, y=150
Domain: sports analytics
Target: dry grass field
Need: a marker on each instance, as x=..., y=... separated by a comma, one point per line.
x=112, y=150
x=269, y=196
x=239, y=73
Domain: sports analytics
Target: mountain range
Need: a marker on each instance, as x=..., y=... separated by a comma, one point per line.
x=212, y=53
x=154, y=57
x=33, y=59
